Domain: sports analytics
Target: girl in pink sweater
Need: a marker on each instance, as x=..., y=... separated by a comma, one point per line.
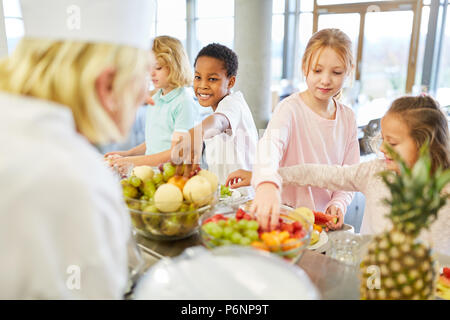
x=309, y=127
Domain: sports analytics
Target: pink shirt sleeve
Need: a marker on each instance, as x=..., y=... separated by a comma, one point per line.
x=271, y=148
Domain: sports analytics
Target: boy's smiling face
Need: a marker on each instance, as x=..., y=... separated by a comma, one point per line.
x=211, y=83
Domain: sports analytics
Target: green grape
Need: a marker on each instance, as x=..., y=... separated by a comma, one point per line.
x=130, y=192
x=232, y=222
x=168, y=173
x=207, y=227
x=134, y=205
x=171, y=226
x=149, y=188
x=222, y=223
x=216, y=231
x=251, y=234
x=135, y=181
x=236, y=237
x=191, y=220
x=150, y=209
x=144, y=198
x=242, y=224
x=253, y=225
x=225, y=191
x=157, y=178
x=184, y=208
x=168, y=166
x=227, y=232
x=245, y=241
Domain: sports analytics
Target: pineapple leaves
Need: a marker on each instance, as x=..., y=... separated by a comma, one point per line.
x=416, y=193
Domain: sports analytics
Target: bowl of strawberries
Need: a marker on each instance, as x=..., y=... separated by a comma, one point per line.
x=289, y=241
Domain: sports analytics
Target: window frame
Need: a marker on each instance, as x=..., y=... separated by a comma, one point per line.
x=382, y=6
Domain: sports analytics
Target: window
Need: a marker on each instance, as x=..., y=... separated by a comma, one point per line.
x=171, y=19
x=443, y=83
x=277, y=39
x=386, y=41
x=13, y=23
x=215, y=22
x=421, y=51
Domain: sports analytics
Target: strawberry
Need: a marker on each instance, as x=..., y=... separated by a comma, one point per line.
x=287, y=227
x=297, y=226
x=240, y=214
x=447, y=272
x=247, y=217
x=299, y=234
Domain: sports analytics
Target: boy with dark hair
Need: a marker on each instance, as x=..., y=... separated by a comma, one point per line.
x=229, y=134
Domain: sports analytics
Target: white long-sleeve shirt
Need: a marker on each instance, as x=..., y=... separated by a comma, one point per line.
x=363, y=178
x=64, y=228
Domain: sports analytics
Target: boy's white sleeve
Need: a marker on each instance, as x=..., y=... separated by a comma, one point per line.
x=230, y=108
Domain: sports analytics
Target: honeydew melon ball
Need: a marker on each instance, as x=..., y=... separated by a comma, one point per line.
x=198, y=190
x=306, y=213
x=168, y=198
x=143, y=172
x=212, y=178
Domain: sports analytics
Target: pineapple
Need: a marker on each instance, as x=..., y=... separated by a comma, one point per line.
x=397, y=266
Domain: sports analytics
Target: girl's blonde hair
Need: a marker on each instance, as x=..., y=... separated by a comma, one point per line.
x=66, y=72
x=426, y=122
x=170, y=53
x=328, y=38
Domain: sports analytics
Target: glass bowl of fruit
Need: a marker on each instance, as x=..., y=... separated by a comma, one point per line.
x=164, y=206
x=238, y=228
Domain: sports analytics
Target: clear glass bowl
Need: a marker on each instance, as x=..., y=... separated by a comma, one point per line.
x=166, y=225
x=291, y=251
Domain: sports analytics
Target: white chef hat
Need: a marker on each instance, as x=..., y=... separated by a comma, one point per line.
x=122, y=22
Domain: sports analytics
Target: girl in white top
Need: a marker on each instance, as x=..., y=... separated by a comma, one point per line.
x=229, y=134
x=409, y=122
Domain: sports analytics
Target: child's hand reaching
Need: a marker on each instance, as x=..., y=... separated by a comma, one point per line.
x=116, y=154
x=239, y=178
x=267, y=205
x=188, y=151
x=335, y=211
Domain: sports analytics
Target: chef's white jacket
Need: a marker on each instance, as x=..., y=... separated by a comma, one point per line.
x=63, y=225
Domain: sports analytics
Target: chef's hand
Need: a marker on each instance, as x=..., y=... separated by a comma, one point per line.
x=266, y=205
x=334, y=211
x=239, y=178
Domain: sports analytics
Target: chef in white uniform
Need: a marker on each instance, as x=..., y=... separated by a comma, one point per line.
x=75, y=81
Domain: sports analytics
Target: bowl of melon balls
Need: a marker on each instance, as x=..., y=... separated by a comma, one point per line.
x=164, y=206
x=288, y=241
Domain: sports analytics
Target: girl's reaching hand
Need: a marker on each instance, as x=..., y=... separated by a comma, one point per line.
x=115, y=154
x=122, y=165
x=239, y=178
x=266, y=205
x=335, y=211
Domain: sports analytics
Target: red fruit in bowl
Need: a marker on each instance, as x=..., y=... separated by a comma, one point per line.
x=287, y=227
x=161, y=167
x=240, y=214
x=446, y=272
x=299, y=234
x=297, y=226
